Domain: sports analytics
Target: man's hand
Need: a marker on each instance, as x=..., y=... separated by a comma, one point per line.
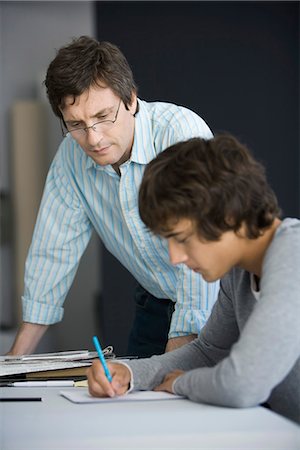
x=27, y=338
x=179, y=341
x=167, y=384
x=98, y=384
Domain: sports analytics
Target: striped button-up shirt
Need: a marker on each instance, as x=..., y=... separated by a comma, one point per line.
x=80, y=196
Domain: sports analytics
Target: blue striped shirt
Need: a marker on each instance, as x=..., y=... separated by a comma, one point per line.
x=80, y=195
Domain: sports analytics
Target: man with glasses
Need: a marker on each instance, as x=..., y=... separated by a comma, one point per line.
x=109, y=137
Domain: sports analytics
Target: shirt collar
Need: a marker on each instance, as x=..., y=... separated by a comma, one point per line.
x=143, y=150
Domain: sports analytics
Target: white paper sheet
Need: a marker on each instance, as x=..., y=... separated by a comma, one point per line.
x=81, y=395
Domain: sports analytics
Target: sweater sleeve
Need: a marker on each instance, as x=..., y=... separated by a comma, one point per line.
x=212, y=345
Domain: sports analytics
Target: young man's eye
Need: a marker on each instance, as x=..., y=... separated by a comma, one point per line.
x=182, y=241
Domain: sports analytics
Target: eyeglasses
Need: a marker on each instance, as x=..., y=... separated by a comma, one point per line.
x=78, y=132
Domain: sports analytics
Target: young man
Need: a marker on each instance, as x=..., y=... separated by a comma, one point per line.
x=93, y=183
x=212, y=203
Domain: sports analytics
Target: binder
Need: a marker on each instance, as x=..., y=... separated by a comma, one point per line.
x=60, y=365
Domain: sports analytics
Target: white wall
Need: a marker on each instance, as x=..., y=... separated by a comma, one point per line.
x=30, y=34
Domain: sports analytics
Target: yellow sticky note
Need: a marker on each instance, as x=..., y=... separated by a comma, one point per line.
x=82, y=383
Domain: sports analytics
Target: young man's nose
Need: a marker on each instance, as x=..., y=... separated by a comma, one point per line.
x=177, y=254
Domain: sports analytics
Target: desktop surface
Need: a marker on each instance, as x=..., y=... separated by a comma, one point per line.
x=57, y=424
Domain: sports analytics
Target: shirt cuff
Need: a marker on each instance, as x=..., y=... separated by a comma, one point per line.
x=187, y=321
x=41, y=313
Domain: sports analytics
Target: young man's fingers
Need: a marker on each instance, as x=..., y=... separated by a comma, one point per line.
x=167, y=383
x=120, y=386
x=98, y=384
x=164, y=386
x=121, y=378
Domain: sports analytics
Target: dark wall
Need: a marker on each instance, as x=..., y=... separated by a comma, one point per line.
x=235, y=63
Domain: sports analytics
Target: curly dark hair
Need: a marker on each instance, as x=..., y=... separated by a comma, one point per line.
x=86, y=62
x=216, y=183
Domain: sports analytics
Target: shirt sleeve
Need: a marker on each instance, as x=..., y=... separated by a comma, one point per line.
x=61, y=234
x=194, y=301
x=195, y=297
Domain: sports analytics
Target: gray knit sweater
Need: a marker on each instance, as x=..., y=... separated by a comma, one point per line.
x=249, y=350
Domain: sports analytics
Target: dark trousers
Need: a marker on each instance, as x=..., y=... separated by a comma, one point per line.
x=149, y=333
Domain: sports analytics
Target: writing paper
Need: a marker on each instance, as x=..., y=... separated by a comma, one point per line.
x=81, y=395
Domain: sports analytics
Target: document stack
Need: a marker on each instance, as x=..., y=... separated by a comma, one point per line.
x=45, y=366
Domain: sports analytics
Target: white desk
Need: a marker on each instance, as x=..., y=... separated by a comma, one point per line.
x=57, y=424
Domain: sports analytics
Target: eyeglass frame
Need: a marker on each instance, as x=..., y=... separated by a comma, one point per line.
x=65, y=134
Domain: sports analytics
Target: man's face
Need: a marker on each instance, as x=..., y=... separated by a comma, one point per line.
x=213, y=259
x=109, y=143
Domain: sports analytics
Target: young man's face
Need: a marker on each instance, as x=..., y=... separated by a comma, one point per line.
x=109, y=143
x=212, y=259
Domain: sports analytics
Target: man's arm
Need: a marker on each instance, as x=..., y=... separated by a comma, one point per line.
x=194, y=301
x=27, y=338
x=179, y=341
x=61, y=234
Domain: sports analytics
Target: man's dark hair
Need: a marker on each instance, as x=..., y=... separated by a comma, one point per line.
x=84, y=63
x=216, y=183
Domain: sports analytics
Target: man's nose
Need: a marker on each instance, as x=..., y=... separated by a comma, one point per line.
x=93, y=135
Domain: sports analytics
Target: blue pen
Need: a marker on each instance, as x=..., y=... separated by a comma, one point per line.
x=101, y=357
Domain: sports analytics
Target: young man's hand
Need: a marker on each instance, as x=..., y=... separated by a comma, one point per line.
x=98, y=384
x=167, y=383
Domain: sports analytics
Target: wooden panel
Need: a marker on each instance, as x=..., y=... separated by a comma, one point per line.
x=28, y=139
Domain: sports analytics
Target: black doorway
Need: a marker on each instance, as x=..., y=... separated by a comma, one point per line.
x=234, y=63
